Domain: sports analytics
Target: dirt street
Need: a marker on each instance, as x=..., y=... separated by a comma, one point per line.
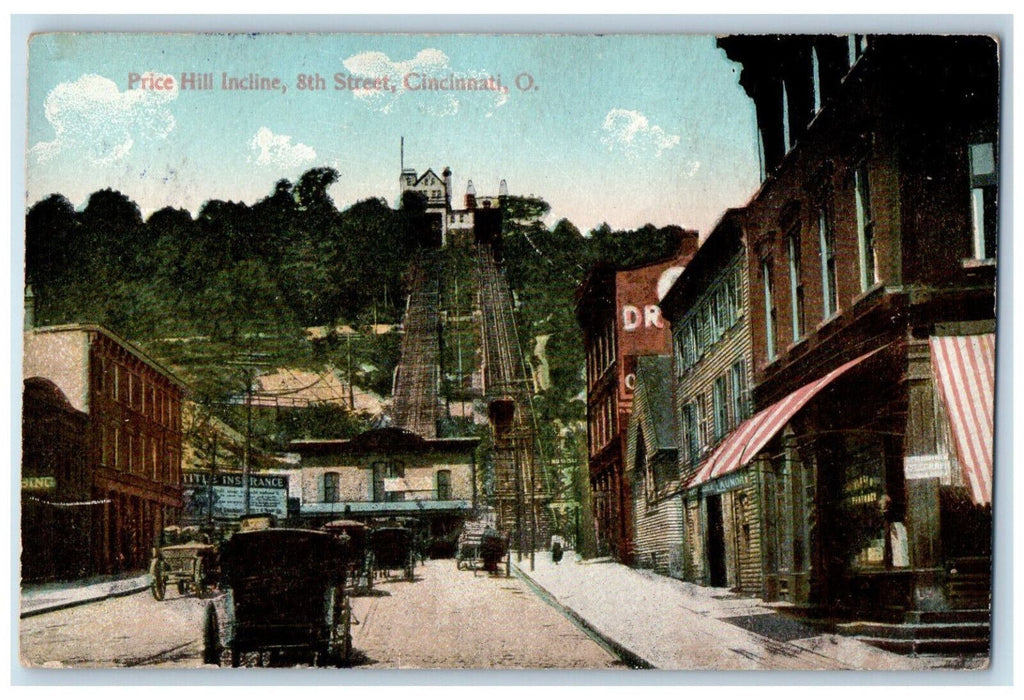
x=455, y=619
x=444, y=619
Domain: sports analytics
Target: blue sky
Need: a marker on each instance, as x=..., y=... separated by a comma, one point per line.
x=624, y=129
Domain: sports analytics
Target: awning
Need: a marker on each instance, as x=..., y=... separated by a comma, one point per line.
x=753, y=434
x=965, y=371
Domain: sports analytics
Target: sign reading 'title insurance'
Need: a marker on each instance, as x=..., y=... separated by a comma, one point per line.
x=267, y=494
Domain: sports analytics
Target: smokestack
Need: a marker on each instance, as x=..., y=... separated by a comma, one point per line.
x=447, y=174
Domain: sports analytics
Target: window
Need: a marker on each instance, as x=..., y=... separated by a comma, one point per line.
x=332, y=484
x=732, y=303
x=865, y=229
x=720, y=405
x=702, y=417
x=796, y=288
x=827, y=244
x=786, y=142
x=444, y=485
x=108, y=448
x=856, y=45
x=984, y=190
x=816, y=78
x=691, y=437
x=769, y=307
x=738, y=379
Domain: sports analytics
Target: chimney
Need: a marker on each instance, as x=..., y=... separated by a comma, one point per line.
x=470, y=196
x=447, y=174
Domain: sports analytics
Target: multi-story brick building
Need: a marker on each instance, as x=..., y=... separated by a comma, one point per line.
x=126, y=481
x=708, y=310
x=871, y=270
x=621, y=320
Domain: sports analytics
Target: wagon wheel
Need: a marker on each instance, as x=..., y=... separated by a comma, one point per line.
x=211, y=636
x=159, y=585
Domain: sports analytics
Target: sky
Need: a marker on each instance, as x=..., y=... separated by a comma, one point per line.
x=626, y=129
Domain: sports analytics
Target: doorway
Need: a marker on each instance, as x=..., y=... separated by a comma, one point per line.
x=716, y=543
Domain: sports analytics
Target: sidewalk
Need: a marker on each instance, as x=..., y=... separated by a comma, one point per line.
x=37, y=599
x=658, y=622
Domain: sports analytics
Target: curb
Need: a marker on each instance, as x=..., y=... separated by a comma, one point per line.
x=630, y=658
x=65, y=604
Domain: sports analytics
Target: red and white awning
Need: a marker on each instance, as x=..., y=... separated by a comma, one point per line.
x=753, y=434
x=965, y=370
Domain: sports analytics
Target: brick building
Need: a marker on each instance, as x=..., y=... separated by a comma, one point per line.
x=871, y=271
x=121, y=474
x=621, y=320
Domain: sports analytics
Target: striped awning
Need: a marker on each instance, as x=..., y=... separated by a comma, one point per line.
x=965, y=372
x=753, y=434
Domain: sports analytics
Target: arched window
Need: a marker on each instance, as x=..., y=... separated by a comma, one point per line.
x=331, y=487
x=444, y=485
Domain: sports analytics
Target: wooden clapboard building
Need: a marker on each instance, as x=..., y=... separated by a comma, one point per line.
x=871, y=268
x=653, y=471
x=708, y=310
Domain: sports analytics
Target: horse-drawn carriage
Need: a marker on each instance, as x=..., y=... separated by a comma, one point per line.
x=481, y=550
x=286, y=597
x=392, y=549
x=188, y=562
x=359, y=560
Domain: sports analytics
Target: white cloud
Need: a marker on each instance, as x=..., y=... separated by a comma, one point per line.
x=630, y=132
x=92, y=117
x=277, y=150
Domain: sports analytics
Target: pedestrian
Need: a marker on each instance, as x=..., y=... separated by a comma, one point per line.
x=556, y=552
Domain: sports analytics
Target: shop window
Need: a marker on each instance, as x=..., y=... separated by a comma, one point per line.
x=862, y=503
x=984, y=191
x=865, y=229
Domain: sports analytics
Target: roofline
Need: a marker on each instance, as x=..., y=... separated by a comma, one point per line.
x=131, y=347
x=327, y=446
x=717, y=232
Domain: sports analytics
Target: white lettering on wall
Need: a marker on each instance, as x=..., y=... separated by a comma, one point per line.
x=650, y=316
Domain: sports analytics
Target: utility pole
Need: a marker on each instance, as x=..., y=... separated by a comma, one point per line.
x=348, y=345
x=213, y=478
x=247, y=453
